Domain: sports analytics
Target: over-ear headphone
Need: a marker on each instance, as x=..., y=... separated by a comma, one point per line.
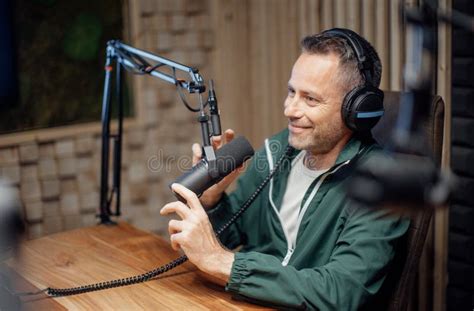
x=362, y=107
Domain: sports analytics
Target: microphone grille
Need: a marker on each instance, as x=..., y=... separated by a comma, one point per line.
x=233, y=154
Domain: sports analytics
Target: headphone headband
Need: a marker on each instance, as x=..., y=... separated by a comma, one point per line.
x=364, y=63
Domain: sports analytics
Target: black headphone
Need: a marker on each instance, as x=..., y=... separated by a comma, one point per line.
x=362, y=107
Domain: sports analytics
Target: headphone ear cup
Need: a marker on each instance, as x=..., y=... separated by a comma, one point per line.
x=362, y=108
x=347, y=108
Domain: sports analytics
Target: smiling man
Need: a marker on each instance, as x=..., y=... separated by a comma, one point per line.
x=304, y=245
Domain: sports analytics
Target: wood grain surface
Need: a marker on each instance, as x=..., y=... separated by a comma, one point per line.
x=103, y=253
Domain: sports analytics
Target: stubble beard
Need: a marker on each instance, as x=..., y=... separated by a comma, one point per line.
x=320, y=140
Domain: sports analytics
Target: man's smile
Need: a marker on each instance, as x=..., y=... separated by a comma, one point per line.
x=296, y=128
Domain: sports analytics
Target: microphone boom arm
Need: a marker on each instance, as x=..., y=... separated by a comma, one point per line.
x=128, y=56
x=142, y=63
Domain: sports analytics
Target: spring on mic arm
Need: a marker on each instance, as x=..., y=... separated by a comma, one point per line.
x=58, y=292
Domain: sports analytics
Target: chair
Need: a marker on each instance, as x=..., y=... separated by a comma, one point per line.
x=396, y=291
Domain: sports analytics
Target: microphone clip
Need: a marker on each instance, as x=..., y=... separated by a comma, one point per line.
x=211, y=160
x=215, y=124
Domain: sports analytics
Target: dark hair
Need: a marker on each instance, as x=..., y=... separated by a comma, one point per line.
x=350, y=75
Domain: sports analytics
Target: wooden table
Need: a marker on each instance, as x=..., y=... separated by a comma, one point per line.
x=102, y=253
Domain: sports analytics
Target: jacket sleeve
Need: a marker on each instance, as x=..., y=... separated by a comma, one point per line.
x=355, y=271
x=231, y=203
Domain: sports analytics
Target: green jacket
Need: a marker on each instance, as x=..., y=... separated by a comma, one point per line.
x=342, y=251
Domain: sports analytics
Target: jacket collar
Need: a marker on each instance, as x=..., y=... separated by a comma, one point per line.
x=357, y=142
x=349, y=151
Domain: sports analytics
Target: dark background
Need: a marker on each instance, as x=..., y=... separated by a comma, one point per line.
x=8, y=77
x=54, y=59
x=460, y=294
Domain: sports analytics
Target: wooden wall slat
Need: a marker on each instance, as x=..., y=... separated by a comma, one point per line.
x=396, y=45
x=382, y=40
x=326, y=14
x=340, y=10
x=368, y=22
x=231, y=73
x=303, y=19
x=135, y=31
x=258, y=66
x=313, y=15
x=353, y=8
x=270, y=28
x=282, y=23
x=441, y=217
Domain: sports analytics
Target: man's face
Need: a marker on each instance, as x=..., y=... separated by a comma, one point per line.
x=313, y=104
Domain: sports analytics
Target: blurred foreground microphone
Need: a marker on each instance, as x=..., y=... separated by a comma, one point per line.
x=209, y=172
x=11, y=226
x=11, y=229
x=401, y=180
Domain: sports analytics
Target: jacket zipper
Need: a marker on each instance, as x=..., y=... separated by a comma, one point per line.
x=287, y=257
x=305, y=207
x=290, y=247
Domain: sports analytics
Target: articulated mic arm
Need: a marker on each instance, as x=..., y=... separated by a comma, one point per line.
x=141, y=62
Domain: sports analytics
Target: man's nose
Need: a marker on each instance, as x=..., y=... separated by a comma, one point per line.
x=293, y=107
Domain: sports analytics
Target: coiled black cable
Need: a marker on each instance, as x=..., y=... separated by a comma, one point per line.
x=58, y=292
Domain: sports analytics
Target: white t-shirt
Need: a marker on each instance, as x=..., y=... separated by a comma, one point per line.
x=299, y=180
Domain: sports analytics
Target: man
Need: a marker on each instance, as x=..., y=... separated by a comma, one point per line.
x=304, y=245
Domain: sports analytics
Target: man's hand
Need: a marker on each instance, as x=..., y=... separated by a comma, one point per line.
x=211, y=196
x=195, y=236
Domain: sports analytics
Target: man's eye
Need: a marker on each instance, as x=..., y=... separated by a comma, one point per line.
x=311, y=99
x=291, y=92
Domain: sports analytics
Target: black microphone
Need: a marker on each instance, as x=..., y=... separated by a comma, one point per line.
x=214, y=110
x=228, y=158
x=404, y=180
x=11, y=225
x=11, y=229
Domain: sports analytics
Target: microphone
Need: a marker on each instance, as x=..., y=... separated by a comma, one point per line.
x=404, y=180
x=228, y=158
x=11, y=225
x=214, y=110
x=11, y=229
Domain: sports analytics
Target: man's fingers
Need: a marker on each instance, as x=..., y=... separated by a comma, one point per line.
x=191, y=198
x=226, y=181
x=197, y=153
x=216, y=141
x=175, y=226
x=175, y=241
x=219, y=141
x=229, y=135
x=176, y=207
